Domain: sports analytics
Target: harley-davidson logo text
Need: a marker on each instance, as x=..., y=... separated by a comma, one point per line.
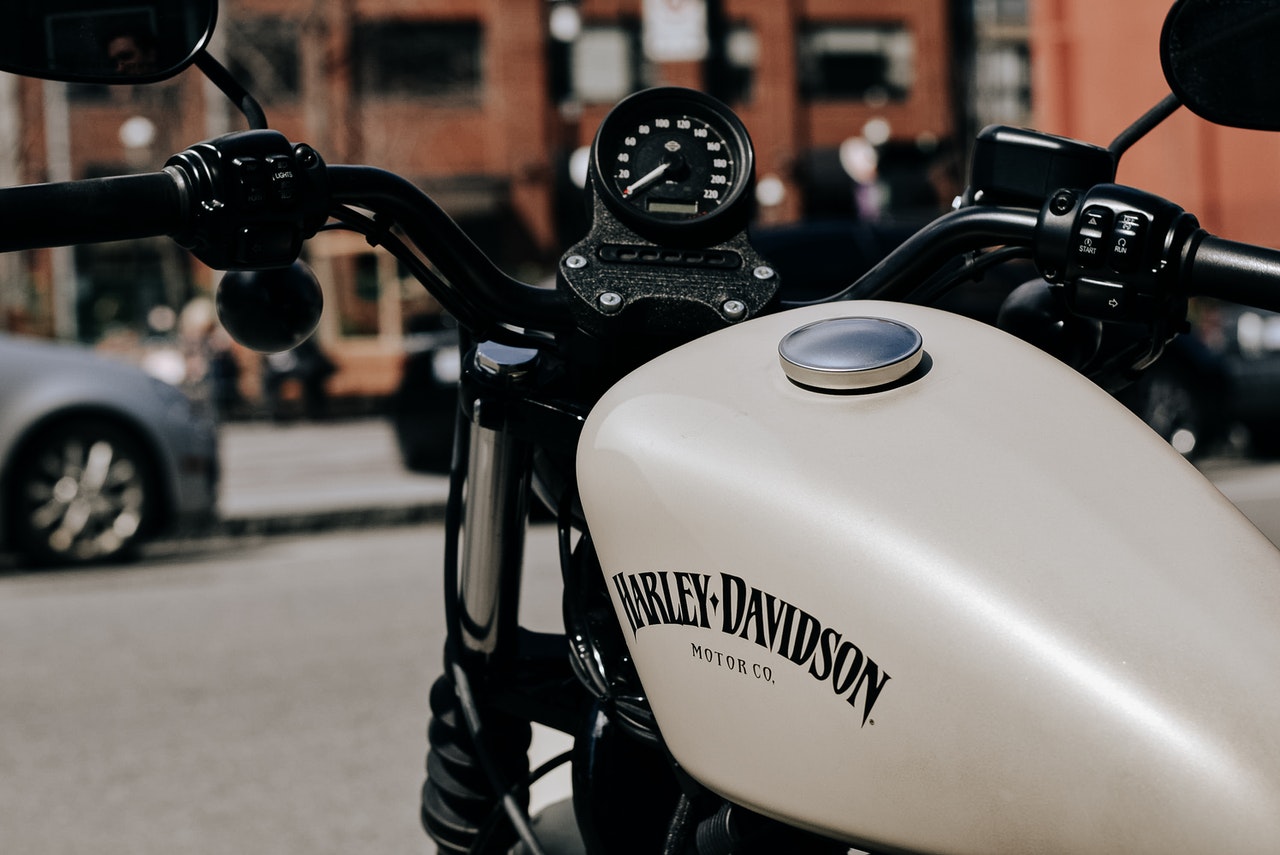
x=736, y=608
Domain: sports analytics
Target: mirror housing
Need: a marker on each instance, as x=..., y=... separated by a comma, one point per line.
x=1222, y=60
x=87, y=41
x=270, y=310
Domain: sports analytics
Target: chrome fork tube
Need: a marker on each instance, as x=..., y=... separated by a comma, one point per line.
x=496, y=506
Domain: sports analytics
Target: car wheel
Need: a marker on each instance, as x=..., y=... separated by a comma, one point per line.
x=80, y=492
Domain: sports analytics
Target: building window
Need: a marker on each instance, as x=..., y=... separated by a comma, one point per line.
x=418, y=59
x=1002, y=84
x=262, y=53
x=741, y=58
x=119, y=283
x=864, y=62
x=1001, y=11
x=606, y=63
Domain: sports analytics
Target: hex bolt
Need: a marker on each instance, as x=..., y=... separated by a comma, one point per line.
x=575, y=262
x=609, y=302
x=734, y=310
x=1062, y=203
x=764, y=271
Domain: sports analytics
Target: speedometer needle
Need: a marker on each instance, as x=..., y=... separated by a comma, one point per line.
x=652, y=176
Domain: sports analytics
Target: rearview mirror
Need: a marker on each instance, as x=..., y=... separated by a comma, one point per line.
x=101, y=41
x=1222, y=60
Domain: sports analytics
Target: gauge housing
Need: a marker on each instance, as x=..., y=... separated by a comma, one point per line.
x=676, y=166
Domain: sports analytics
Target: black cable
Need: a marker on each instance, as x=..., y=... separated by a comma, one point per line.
x=516, y=814
x=454, y=300
x=548, y=767
x=536, y=775
x=943, y=283
x=450, y=249
x=960, y=231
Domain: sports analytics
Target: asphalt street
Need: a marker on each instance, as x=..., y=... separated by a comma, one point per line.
x=241, y=695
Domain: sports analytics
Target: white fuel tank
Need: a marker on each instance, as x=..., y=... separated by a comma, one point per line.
x=977, y=609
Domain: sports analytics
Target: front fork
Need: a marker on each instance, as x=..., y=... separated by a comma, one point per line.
x=459, y=801
x=497, y=506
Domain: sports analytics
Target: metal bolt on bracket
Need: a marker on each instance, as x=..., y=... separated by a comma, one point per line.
x=609, y=302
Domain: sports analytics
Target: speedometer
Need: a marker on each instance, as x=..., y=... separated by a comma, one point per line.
x=674, y=164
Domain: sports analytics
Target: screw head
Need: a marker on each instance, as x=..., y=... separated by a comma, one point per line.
x=575, y=262
x=764, y=271
x=734, y=310
x=609, y=302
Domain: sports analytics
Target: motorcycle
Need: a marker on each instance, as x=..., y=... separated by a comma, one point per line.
x=848, y=574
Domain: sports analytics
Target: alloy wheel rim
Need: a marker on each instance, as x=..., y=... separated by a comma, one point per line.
x=86, y=499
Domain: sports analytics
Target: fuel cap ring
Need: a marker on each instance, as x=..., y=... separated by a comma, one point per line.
x=850, y=354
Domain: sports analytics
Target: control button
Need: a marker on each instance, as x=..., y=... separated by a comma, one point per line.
x=1128, y=240
x=251, y=176
x=280, y=173
x=1102, y=300
x=1091, y=236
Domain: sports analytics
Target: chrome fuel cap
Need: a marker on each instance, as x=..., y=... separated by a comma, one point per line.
x=844, y=354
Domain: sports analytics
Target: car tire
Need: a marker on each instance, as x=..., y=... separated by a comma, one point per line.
x=82, y=491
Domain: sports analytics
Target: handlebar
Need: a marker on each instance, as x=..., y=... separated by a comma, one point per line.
x=1238, y=272
x=196, y=197
x=924, y=253
x=449, y=248
x=92, y=210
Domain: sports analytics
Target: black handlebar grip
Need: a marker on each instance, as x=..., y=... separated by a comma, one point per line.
x=1238, y=272
x=91, y=211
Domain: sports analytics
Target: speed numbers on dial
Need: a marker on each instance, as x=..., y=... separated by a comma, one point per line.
x=674, y=165
x=673, y=160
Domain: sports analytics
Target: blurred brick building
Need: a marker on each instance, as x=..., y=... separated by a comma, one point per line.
x=483, y=104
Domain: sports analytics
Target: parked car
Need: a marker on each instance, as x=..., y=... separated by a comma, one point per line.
x=422, y=408
x=96, y=456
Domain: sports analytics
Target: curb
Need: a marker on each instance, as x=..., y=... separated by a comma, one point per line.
x=335, y=520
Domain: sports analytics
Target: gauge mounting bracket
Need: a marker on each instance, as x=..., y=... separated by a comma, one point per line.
x=671, y=189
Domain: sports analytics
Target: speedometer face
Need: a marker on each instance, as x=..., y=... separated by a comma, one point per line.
x=674, y=165
x=671, y=159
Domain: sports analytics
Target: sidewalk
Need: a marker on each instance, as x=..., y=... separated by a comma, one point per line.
x=304, y=476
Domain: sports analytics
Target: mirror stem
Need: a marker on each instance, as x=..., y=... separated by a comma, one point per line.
x=226, y=82
x=1139, y=129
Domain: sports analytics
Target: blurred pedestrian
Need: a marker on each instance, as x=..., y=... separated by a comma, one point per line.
x=310, y=367
x=212, y=372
